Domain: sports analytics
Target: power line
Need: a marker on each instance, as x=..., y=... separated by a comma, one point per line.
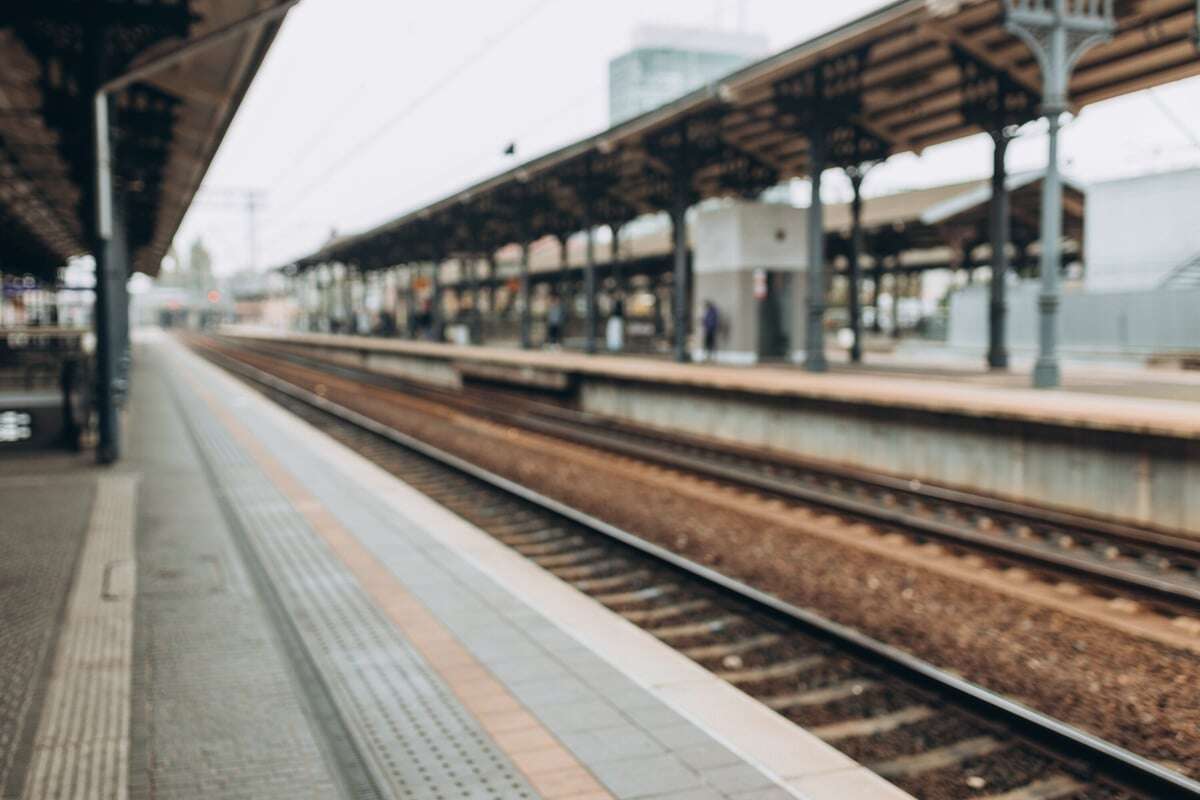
x=368, y=141
x=488, y=155
x=1170, y=114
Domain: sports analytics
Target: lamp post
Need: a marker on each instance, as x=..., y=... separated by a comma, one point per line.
x=1058, y=32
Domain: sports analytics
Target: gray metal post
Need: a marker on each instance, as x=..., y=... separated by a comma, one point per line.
x=348, y=299
x=476, y=320
x=1046, y=371
x=896, y=277
x=814, y=340
x=856, y=176
x=526, y=305
x=437, y=322
x=683, y=312
x=411, y=301
x=110, y=284
x=564, y=260
x=997, y=356
x=1058, y=32
x=589, y=289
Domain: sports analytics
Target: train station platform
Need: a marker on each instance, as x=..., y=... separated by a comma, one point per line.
x=245, y=608
x=1114, y=447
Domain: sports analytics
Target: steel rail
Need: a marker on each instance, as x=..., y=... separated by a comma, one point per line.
x=1114, y=762
x=1159, y=589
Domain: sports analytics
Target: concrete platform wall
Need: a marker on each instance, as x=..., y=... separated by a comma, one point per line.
x=1135, y=479
x=1125, y=475
x=433, y=371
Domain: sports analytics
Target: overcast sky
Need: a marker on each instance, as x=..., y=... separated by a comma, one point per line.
x=365, y=109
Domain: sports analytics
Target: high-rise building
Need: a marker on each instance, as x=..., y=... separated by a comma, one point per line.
x=667, y=62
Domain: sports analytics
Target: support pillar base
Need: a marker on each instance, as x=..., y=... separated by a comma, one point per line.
x=1046, y=374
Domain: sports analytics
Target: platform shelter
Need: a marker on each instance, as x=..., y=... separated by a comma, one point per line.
x=900, y=79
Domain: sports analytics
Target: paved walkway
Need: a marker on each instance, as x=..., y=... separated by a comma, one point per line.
x=46, y=502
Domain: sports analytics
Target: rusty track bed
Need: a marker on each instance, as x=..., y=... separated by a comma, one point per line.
x=931, y=732
x=1159, y=569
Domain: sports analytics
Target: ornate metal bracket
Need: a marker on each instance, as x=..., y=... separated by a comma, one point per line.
x=829, y=96
x=1059, y=32
x=991, y=98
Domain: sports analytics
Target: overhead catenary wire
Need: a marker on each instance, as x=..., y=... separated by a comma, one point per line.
x=1174, y=119
x=484, y=156
x=368, y=141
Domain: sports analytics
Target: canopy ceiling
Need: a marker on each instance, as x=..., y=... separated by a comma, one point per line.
x=165, y=128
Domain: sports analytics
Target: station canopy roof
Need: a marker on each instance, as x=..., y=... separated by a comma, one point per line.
x=912, y=74
x=166, y=127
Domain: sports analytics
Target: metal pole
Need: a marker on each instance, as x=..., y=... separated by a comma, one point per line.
x=348, y=299
x=877, y=280
x=526, y=306
x=896, y=277
x=1046, y=373
x=1058, y=33
x=436, y=306
x=814, y=340
x=476, y=321
x=679, y=204
x=564, y=276
x=589, y=289
x=997, y=357
x=109, y=276
x=856, y=247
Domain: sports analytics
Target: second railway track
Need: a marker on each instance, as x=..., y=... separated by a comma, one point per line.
x=1158, y=569
x=929, y=731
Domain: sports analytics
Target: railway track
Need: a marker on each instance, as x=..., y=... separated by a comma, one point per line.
x=1158, y=570
x=927, y=730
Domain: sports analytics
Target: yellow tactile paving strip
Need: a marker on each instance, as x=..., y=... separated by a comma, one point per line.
x=81, y=748
x=552, y=769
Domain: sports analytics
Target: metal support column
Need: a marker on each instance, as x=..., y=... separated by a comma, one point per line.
x=475, y=319
x=110, y=291
x=997, y=356
x=348, y=309
x=897, y=277
x=615, y=254
x=589, y=290
x=814, y=340
x=681, y=301
x=877, y=280
x=437, y=315
x=564, y=272
x=1046, y=373
x=854, y=298
x=524, y=298
x=1058, y=32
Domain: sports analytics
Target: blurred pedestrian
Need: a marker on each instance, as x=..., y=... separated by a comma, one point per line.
x=614, y=332
x=710, y=323
x=556, y=315
x=424, y=320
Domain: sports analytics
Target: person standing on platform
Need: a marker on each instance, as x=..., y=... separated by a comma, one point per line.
x=614, y=333
x=424, y=320
x=555, y=316
x=710, y=322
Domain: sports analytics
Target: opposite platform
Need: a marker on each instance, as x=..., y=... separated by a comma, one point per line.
x=1129, y=460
